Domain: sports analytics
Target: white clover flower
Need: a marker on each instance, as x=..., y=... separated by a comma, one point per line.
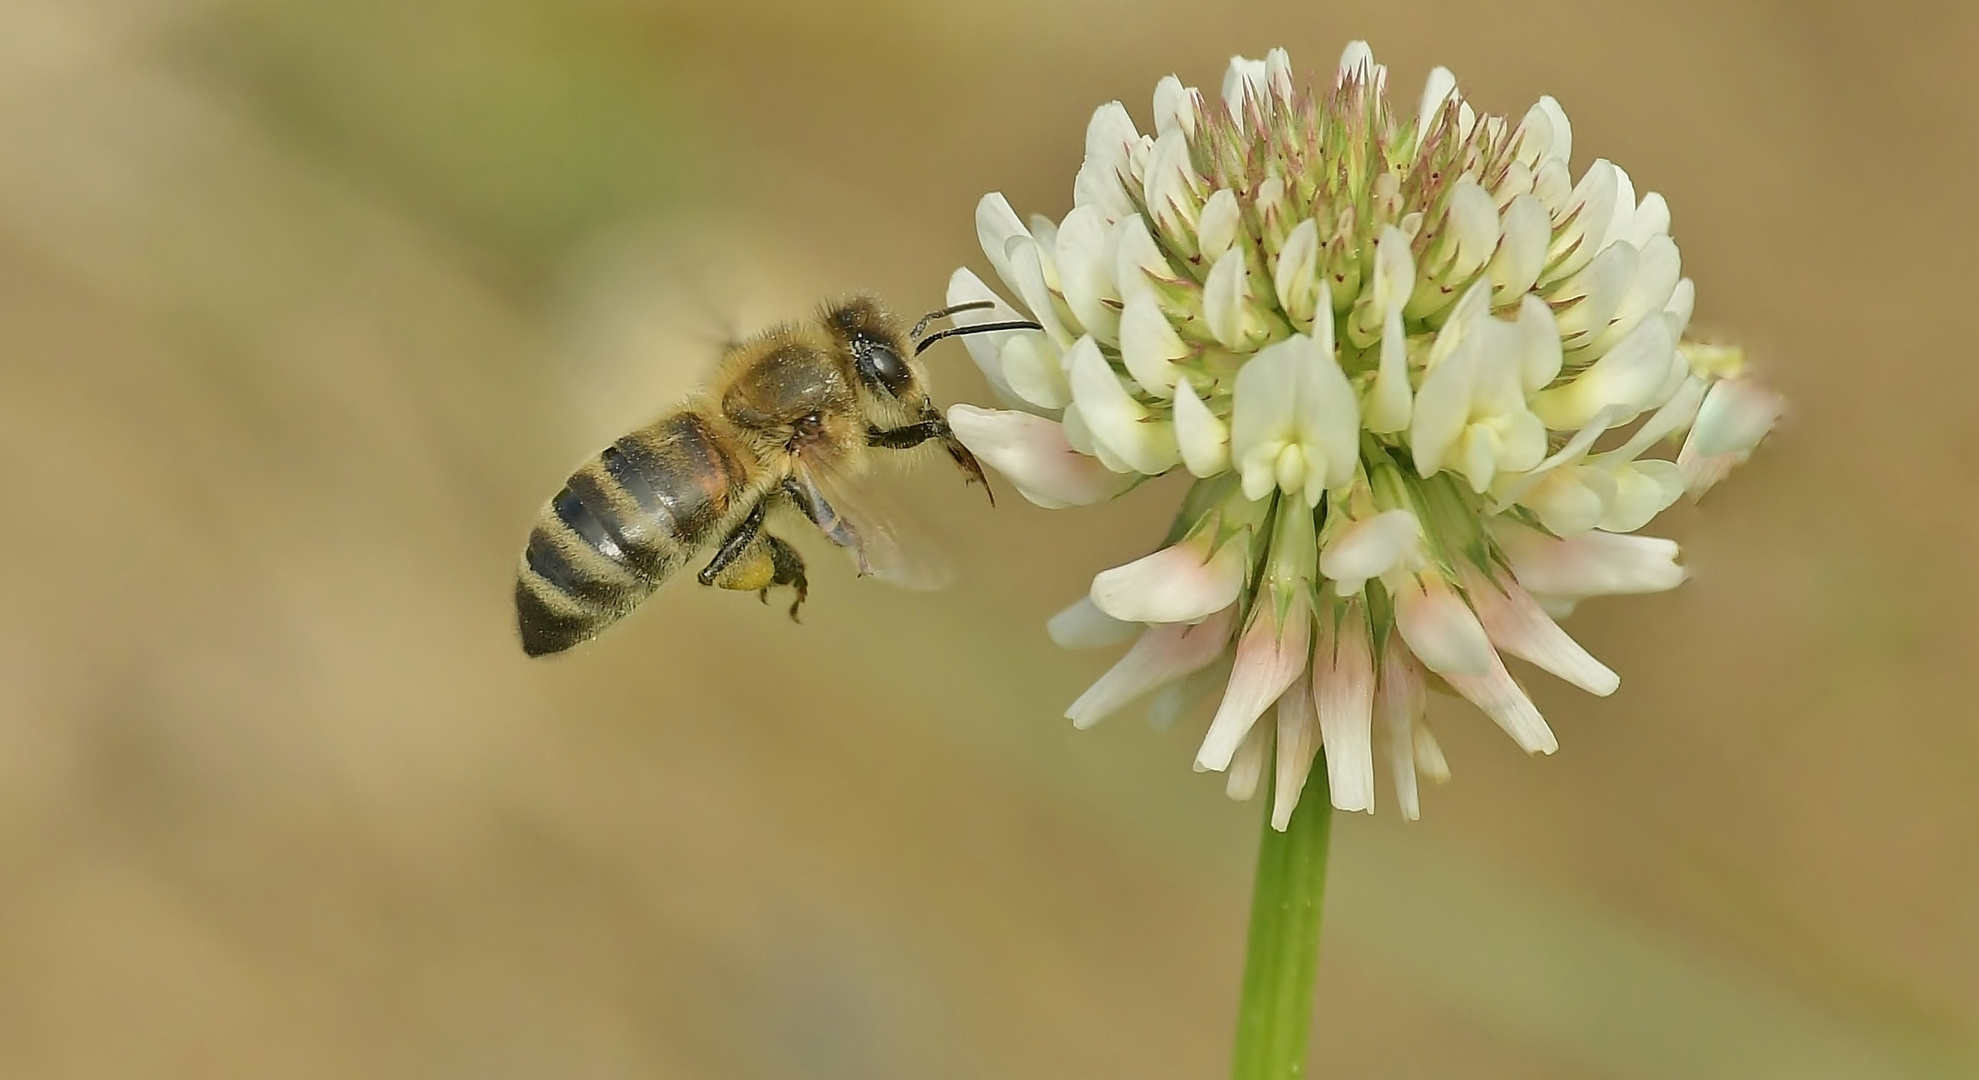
x=1389, y=347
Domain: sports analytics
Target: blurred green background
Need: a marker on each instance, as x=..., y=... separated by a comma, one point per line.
x=305, y=307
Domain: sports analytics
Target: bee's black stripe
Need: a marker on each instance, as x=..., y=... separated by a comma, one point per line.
x=686, y=470
x=621, y=462
x=621, y=525
x=572, y=512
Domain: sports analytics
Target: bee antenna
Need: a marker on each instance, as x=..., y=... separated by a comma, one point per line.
x=978, y=328
x=974, y=305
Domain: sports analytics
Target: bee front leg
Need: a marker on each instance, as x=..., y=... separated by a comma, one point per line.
x=932, y=426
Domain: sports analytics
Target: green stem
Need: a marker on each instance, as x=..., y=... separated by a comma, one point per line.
x=1283, y=957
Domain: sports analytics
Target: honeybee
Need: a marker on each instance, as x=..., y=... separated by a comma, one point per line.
x=790, y=417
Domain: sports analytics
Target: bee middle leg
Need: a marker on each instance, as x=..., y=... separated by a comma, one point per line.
x=932, y=426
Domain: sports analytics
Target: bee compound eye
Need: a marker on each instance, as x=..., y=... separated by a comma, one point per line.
x=881, y=365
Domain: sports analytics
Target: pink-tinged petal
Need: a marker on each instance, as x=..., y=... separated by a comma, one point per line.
x=1085, y=626
x=1161, y=656
x=1398, y=704
x=1298, y=744
x=1440, y=628
x=1269, y=659
x=1343, y=692
x=1247, y=766
x=1171, y=702
x=1502, y=699
x=1591, y=564
x=1175, y=584
x=1519, y=626
x=1032, y=452
x=1736, y=414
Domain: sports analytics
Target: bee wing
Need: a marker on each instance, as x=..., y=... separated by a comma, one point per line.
x=857, y=518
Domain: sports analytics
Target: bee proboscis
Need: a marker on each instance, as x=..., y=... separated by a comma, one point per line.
x=791, y=416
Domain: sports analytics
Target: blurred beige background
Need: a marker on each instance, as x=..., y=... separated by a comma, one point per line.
x=305, y=307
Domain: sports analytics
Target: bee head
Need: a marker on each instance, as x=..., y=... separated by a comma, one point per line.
x=871, y=339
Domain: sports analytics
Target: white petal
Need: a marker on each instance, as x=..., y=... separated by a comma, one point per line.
x=1398, y=701
x=1736, y=414
x=1540, y=337
x=964, y=287
x=1521, y=254
x=1648, y=293
x=1390, y=400
x=1440, y=628
x=1085, y=626
x=1085, y=272
x=1437, y=90
x=1226, y=292
x=996, y=225
x=1269, y=659
x=1171, y=188
x=1149, y=346
x=1296, y=277
x=1217, y=228
x=1173, y=701
x=1676, y=414
x=1278, y=74
x=1203, y=439
x=1579, y=230
x=1430, y=764
x=1591, y=296
x=1517, y=625
x=1138, y=259
x=1643, y=489
x=1175, y=106
x=1026, y=260
x=1652, y=219
x=1245, y=80
x=1678, y=311
x=1627, y=378
x=1570, y=501
x=1562, y=146
x=1394, y=271
x=1356, y=61
x=1262, y=417
x=1367, y=549
x=1343, y=692
x=1473, y=221
x=1328, y=412
x=1442, y=409
x=1298, y=743
x=1500, y=697
x=1592, y=564
x=1623, y=218
x=1032, y=451
x=1162, y=655
x=1117, y=421
x=1176, y=584
x=1030, y=364
x=1110, y=138
x=1247, y=767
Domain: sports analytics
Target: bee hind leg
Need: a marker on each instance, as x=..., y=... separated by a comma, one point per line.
x=789, y=570
x=765, y=562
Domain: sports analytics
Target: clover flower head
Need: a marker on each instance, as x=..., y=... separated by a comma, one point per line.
x=1415, y=364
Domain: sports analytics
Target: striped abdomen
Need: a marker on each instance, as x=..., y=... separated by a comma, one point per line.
x=620, y=526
